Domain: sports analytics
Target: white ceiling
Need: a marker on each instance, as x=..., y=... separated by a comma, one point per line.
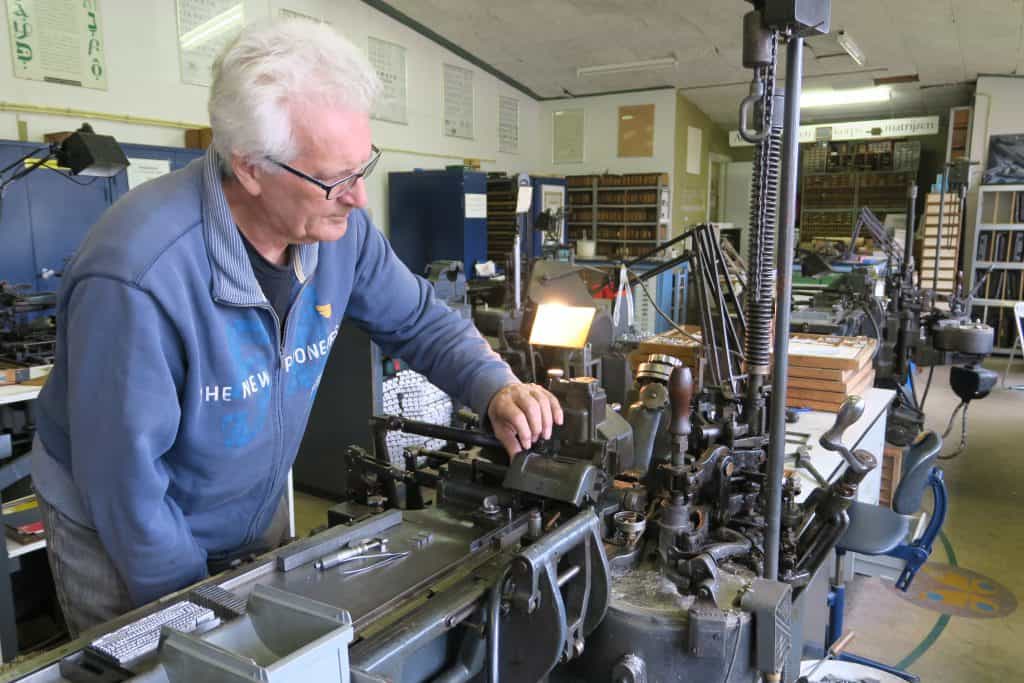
x=541, y=43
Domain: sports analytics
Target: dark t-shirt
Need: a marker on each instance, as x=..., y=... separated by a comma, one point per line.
x=278, y=283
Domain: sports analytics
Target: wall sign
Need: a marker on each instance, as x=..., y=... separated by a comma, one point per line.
x=58, y=41
x=458, y=102
x=388, y=60
x=567, y=137
x=508, y=124
x=860, y=130
x=205, y=27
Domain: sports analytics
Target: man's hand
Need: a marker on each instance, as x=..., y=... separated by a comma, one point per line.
x=521, y=414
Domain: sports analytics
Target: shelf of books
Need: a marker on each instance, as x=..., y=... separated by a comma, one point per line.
x=999, y=250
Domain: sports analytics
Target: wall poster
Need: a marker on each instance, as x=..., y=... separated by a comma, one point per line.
x=567, y=138
x=508, y=124
x=205, y=27
x=458, y=102
x=388, y=60
x=58, y=41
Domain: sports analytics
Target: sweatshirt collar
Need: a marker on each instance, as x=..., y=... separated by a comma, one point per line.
x=233, y=278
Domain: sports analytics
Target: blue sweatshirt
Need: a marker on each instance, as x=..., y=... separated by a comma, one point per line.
x=176, y=405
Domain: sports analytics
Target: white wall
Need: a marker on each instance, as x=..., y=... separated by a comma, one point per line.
x=600, y=134
x=144, y=80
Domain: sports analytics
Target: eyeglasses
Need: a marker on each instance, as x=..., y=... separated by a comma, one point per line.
x=338, y=187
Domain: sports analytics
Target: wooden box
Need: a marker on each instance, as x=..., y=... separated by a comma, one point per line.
x=198, y=138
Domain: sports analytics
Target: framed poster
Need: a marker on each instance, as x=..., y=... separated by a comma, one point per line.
x=1005, y=160
x=388, y=60
x=636, y=130
x=458, y=102
x=205, y=27
x=286, y=13
x=58, y=41
x=508, y=125
x=567, y=137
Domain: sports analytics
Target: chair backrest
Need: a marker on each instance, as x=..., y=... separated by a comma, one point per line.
x=1018, y=315
x=918, y=461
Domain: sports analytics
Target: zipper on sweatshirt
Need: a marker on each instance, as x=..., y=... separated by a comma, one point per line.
x=279, y=404
x=277, y=398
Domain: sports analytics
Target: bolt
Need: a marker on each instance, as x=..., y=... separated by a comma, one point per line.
x=489, y=505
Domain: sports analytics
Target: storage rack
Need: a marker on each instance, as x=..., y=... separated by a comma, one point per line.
x=840, y=178
x=999, y=242
x=949, y=246
x=626, y=215
x=502, y=191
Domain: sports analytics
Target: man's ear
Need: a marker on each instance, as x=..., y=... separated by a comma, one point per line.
x=248, y=174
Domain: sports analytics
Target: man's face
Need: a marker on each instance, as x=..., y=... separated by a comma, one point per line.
x=333, y=143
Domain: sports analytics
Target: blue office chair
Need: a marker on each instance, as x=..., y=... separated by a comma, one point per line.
x=878, y=530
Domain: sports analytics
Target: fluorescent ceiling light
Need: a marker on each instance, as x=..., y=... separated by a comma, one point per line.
x=225, y=21
x=625, y=67
x=852, y=49
x=833, y=98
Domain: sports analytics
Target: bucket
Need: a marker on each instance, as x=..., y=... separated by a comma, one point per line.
x=586, y=249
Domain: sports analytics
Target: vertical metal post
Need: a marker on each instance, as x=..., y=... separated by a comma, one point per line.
x=783, y=301
x=908, y=241
x=938, y=233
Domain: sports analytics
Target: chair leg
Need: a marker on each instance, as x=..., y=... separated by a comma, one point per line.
x=836, y=608
x=1009, y=363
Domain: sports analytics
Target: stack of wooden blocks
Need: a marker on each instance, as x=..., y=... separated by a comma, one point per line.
x=824, y=370
x=948, y=246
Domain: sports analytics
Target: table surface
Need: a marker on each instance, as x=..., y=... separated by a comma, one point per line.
x=13, y=393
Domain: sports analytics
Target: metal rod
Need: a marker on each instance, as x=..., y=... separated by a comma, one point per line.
x=494, y=630
x=399, y=424
x=732, y=292
x=567, y=576
x=654, y=272
x=938, y=233
x=908, y=241
x=714, y=281
x=722, y=271
x=783, y=301
x=415, y=629
x=661, y=247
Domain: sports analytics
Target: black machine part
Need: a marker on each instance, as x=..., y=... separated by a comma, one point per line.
x=971, y=381
x=969, y=338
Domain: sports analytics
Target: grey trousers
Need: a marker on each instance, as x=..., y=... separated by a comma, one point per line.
x=89, y=589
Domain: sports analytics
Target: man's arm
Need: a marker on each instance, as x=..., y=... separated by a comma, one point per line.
x=402, y=315
x=125, y=368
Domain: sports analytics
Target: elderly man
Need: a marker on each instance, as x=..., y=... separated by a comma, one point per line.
x=194, y=323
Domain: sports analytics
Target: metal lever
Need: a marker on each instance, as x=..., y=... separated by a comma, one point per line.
x=680, y=391
x=849, y=413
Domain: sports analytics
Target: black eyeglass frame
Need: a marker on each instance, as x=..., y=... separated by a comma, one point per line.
x=348, y=181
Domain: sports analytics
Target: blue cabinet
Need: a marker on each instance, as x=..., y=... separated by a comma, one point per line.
x=428, y=221
x=45, y=215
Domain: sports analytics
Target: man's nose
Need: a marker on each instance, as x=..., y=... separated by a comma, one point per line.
x=356, y=195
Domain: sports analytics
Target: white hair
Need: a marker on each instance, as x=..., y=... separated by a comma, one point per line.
x=271, y=67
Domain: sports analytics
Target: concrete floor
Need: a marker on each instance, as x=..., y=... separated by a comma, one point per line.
x=986, y=486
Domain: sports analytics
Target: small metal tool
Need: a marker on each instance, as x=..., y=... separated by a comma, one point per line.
x=833, y=652
x=351, y=551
